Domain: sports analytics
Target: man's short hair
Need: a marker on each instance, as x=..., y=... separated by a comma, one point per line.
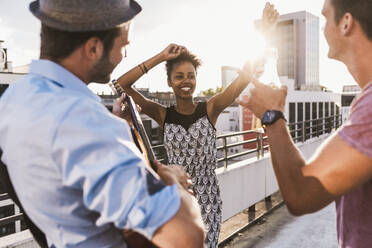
x=185, y=56
x=57, y=44
x=359, y=9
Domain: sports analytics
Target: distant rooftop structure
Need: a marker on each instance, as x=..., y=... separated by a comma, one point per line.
x=228, y=74
x=7, y=75
x=21, y=69
x=311, y=87
x=351, y=89
x=5, y=64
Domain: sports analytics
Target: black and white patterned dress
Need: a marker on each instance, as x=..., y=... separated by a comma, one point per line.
x=190, y=140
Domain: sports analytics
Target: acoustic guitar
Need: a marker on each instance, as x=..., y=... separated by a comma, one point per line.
x=142, y=141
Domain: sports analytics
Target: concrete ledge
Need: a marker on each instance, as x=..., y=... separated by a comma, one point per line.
x=249, y=181
x=22, y=239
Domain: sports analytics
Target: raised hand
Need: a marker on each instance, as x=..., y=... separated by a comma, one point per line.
x=172, y=51
x=269, y=19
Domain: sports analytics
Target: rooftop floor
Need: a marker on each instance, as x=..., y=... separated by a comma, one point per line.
x=282, y=230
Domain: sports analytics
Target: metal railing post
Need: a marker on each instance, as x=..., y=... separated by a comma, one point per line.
x=317, y=128
x=303, y=132
x=252, y=208
x=334, y=122
x=224, y=142
x=258, y=144
x=262, y=145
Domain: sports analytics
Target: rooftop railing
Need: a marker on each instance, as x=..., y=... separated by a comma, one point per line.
x=256, y=141
x=300, y=132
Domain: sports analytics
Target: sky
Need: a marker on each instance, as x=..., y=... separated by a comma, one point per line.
x=219, y=32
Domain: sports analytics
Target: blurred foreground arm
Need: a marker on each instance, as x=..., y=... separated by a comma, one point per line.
x=186, y=228
x=335, y=169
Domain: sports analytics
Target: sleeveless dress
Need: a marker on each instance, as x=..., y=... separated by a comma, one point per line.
x=190, y=141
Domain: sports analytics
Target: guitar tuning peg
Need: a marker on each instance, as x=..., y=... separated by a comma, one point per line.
x=117, y=86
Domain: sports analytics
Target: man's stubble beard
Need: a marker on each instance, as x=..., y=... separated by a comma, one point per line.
x=101, y=72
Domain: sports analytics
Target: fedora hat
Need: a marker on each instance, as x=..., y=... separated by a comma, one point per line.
x=84, y=15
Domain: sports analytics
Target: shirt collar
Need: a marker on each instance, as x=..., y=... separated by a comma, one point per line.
x=61, y=76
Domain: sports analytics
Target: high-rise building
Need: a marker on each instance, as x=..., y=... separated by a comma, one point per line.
x=297, y=40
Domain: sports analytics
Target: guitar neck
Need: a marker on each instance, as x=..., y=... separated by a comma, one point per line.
x=137, y=122
x=139, y=130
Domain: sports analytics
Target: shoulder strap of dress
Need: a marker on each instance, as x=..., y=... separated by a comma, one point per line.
x=201, y=109
x=170, y=111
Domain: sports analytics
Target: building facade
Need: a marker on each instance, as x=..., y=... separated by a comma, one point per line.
x=349, y=92
x=297, y=40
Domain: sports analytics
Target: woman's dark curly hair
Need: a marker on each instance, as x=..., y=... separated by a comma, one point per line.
x=185, y=56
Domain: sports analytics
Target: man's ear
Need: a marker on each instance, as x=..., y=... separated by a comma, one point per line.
x=347, y=24
x=169, y=83
x=93, y=49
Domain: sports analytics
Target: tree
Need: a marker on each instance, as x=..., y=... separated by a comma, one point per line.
x=211, y=92
x=323, y=88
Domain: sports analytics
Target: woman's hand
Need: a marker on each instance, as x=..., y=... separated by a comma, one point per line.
x=172, y=51
x=246, y=73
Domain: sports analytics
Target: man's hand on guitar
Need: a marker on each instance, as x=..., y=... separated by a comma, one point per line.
x=172, y=174
x=120, y=110
x=182, y=177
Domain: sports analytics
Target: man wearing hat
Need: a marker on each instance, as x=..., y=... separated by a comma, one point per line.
x=73, y=164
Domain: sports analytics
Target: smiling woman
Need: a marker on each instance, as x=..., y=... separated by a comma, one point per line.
x=188, y=129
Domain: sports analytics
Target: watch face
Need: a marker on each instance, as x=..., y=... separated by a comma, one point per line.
x=270, y=116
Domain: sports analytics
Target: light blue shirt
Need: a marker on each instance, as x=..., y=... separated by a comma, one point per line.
x=73, y=164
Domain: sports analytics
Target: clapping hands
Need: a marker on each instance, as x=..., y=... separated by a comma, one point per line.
x=264, y=97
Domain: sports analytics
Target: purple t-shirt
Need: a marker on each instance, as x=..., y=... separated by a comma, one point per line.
x=354, y=209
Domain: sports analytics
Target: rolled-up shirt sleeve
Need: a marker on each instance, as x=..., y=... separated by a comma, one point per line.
x=94, y=153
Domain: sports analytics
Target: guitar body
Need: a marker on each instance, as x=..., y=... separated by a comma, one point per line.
x=136, y=240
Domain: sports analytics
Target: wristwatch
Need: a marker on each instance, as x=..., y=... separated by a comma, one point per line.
x=271, y=116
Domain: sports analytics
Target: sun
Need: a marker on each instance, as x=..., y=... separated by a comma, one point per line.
x=250, y=46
